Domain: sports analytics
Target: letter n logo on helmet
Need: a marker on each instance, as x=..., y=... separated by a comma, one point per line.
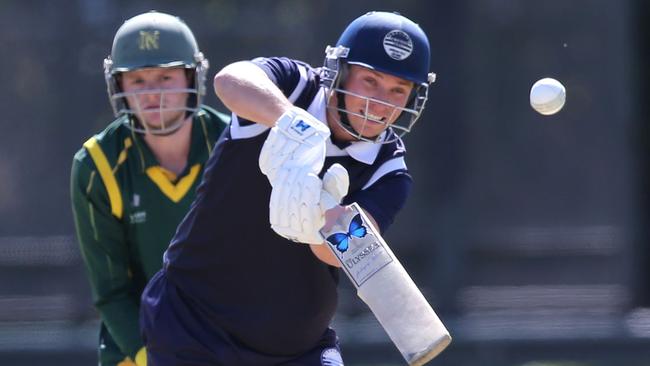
x=149, y=40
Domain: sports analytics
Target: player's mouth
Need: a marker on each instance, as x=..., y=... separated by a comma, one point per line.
x=151, y=108
x=375, y=119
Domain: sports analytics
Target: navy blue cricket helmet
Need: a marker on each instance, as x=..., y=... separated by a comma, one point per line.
x=385, y=42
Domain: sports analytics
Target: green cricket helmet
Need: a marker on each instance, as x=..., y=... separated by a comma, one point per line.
x=148, y=40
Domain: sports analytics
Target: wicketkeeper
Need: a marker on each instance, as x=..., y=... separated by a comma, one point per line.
x=133, y=182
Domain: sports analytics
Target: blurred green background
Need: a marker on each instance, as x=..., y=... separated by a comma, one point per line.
x=526, y=233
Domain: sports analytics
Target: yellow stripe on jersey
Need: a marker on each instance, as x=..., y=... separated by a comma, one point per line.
x=107, y=175
x=174, y=192
x=122, y=157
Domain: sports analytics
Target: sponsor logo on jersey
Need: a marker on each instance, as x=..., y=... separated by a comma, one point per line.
x=331, y=357
x=136, y=200
x=138, y=217
x=398, y=45
x=399, y=148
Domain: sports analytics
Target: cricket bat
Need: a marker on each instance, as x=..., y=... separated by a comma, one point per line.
x=385, y=286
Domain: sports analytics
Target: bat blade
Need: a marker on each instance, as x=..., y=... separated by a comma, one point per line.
x=385, y=286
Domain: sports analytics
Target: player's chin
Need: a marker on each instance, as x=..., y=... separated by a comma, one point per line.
x=370, y=130
x=158, y=120
x=151, y=123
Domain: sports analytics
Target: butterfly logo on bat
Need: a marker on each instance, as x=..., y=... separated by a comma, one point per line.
x=341, y=240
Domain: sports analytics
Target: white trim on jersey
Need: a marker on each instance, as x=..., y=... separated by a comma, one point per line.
x=364, y=151
x=238, y=131
x=317, y=106
x=301, y=84
x=333, y=150
x=387, y=167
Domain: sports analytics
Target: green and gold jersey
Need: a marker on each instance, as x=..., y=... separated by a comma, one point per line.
x=126, y=210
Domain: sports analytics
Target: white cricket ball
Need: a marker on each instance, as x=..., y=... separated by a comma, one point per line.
x=547, y=96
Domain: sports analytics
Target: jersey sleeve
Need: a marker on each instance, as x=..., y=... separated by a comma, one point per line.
x=105, y=253
x=298, y=81
x=384, y=198
x=284, y=72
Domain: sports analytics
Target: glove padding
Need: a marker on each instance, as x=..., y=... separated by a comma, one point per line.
x=297, y=140
x=299, y=200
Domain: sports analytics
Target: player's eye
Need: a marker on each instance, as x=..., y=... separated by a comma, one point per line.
x=135, y=81
x=370, y=81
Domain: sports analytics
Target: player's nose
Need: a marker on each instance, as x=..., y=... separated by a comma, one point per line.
x=379, y=108
x=152, y=94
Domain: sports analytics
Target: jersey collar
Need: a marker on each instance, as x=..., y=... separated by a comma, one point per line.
x=197, y=147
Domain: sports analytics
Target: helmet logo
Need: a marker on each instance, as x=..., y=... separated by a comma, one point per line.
x=149, y=40
x=398, y=45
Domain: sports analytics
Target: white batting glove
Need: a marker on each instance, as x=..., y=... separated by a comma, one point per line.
x=299, y=201
x=294, y=208
x=336, y=183
x=297, y=140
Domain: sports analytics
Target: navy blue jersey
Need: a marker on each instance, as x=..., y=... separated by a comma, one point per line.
x=234, y=270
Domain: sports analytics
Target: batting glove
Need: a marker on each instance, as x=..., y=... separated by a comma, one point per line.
x=297, y=140
x=299, y=201
x=336, y=183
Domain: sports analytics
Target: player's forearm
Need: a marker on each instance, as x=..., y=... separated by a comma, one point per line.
x=114, y=300
x=104, y=256
x=324, y=254
x=247, y=91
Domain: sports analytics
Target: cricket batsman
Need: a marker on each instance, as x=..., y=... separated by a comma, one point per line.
x=247, y=279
